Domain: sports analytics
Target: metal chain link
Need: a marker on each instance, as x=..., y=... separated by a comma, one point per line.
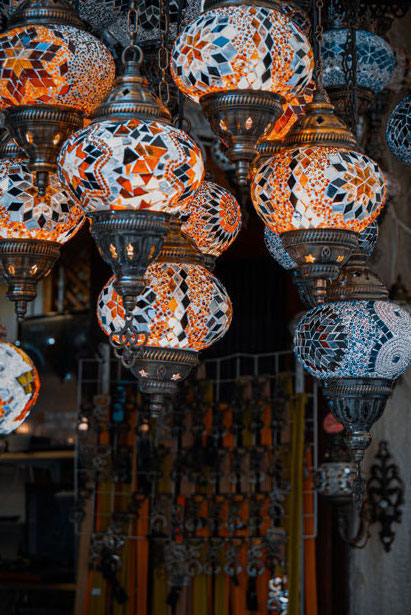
x=349, y=63
x=132, y=29
x=318, y=31
x=163, y=55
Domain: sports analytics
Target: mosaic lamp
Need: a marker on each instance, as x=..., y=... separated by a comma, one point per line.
x=241, y=62
x=357, y=349
x=276, y=249
x=130, y=170
x=19, y=386
x=32, y=226
x=48, y=81
x=318, y=193
x=375, y=67
x=182, y=310
x=398, y=131
x=214, y=220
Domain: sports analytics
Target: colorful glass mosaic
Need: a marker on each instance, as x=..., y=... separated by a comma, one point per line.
x=318, y=187
x=100, y=14
x=131, y=164
x=54, y=65
x=19, y=387
x=183, y=306
x=24, y=214
x=242, y=47
x=398, y=131
x=367, y=239
x=292, y=111
x=275, y=247
x=375, y=59
x=214, y=218
x=359, y=339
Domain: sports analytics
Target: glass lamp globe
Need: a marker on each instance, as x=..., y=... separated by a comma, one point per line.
x=19, y=387
x=214, y=219
x=292, y=111
x=355, y=339
x=131, y=164
x=310, y=187
x=375, y=59
x=183, y=306
x=398, y=131
x=241, y=48
x=276, y=249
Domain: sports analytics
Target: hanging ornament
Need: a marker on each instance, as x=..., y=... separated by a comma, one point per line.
x=48, y=79
x=356, y=349
x=374, y=66
x=32, y=226
x=19, y=386
x=398, y=131
x=129, y=170
x=318, y=193
x=214, y=220
x=182, y=310
x=241, y=62
x=334, y=477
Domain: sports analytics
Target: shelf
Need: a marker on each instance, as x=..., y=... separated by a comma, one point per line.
x=22, y=585
x=36, y=455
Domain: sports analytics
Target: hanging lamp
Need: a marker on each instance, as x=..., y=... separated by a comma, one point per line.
x=32, y=226
x=398, y=131
x=182, y=310
x=241, y=61
x=48, y=79
x=130, y=169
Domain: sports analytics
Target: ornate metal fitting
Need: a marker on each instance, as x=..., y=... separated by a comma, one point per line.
x=23, y=263
x=126, y=342
x=159, y=370
x=44, y=12
x=333, y=479
x=131, y=98
x=240, y=118
x=356, y=282
x=357, y=403
x=338, y=96
x=305, y=288
x=129, y=241
x=179, y=247
x=214, y=4
x=320, y=253
x=385, y=495
x=265, y=151
x=320, y=126
x=41, y=130
x=9, y=148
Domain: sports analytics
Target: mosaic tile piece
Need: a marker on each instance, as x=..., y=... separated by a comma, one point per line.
x=183, y=306
x=100, y=14
x=292, y=111
x=318, y=187
x=131, y=164
x=367, y=239
x=242, y=47
x=19, y=387
x=360, y=339
x=398, y=131
x=214, y=218
x=54, y=65
x=375, y=59
x=276, y=249
x=24, y=214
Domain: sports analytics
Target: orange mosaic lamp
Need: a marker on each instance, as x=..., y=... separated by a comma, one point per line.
x=241, y=62
x=48, y=81
x=214, y=220
x=19, y=387
x=32, y=226
x=130, y=169
x=318, y=192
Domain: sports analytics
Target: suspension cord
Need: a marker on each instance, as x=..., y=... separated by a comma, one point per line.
x=163, y=56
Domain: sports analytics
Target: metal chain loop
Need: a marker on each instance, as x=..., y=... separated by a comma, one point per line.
x=349, y=63
x=318, y=31
x=163, y=54
x=133, y=50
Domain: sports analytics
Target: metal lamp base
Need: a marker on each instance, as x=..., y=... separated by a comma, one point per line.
x=129, y=241
x=159, y=370
x=240, y=118
x=41, y=130
x=320, y=253
x=356, y=282
x=23, y=263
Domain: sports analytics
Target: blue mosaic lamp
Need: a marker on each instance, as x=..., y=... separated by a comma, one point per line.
x=274, y=245
x=357, y=349
x=398, y=131
x=367, y=239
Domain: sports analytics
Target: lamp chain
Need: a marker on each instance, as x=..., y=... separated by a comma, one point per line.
x=349, y=62
x=132, y=29
x=318, y=31
x=163, y=56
